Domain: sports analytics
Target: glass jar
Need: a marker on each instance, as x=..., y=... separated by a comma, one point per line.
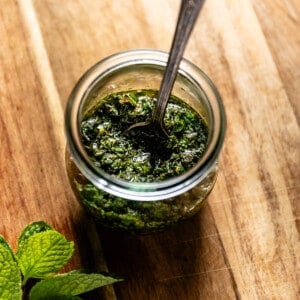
x=134, y=206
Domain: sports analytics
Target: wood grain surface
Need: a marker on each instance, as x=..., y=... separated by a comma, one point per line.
x=244, y=243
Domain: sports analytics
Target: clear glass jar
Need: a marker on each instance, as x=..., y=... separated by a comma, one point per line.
x=142, y=207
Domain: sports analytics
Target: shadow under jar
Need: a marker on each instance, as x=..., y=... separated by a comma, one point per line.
x=129, y=204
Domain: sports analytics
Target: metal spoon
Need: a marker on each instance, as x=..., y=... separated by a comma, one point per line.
x=154, y=130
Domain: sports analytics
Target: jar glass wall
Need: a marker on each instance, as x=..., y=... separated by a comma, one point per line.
x=134, y=206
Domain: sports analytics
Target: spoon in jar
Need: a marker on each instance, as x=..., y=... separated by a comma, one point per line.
x=154, y=130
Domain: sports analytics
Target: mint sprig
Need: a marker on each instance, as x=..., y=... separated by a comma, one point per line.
x=42, y=251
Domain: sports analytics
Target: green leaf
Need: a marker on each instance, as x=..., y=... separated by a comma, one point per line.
x=69, y=284
x=10, y=276
x=30, y=230
x=43, y=254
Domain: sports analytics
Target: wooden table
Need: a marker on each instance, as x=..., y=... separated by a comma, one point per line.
x=244, y=243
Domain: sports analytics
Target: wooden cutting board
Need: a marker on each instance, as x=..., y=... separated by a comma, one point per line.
x=244, y=243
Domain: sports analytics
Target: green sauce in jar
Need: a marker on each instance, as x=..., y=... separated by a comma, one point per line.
x=130, y=159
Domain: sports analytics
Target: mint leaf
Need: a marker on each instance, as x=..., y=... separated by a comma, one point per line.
x=10, y=276
x=68, y=284
x=43, y=254
x=30, y=230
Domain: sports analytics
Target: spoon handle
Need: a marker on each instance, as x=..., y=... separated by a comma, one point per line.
x=188, y=14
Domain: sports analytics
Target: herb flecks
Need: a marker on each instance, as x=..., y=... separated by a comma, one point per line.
x=135, y=159
x=130, y=157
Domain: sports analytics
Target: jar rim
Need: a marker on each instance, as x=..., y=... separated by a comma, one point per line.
x=151, y=191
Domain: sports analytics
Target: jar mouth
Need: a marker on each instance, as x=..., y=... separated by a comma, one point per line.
x=151, y=191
